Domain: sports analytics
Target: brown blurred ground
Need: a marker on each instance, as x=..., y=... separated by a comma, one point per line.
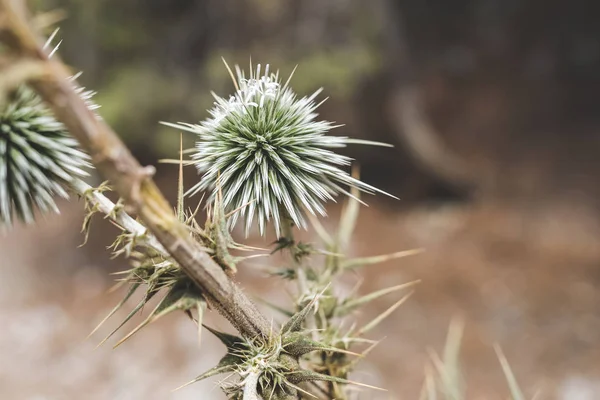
x=507, y=210
x=516, y=279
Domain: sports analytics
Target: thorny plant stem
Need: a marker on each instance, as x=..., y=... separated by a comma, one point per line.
x=301, y=278
x=288, y=234
x=118, y=216
x=313, y=322
x=131, y=181
x=251, y=385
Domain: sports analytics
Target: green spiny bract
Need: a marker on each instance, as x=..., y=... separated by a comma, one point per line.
x=265, y=150
x=153, y=271
x=272, y=369
x=38, y=158
x=329, y=312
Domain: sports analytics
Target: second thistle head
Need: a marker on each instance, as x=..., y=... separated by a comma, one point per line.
x=265, y=150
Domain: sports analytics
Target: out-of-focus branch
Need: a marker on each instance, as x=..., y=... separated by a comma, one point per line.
x=409, y=115
x=423, y=141
x=131, y=181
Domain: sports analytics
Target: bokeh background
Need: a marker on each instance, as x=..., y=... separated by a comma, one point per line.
x=493, y=109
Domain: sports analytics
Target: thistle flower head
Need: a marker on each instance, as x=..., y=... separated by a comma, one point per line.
x=264, y=148
x=38, y=157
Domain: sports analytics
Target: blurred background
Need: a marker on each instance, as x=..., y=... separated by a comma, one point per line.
x=492, y=107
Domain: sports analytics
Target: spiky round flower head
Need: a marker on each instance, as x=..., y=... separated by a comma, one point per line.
x=267, y=153
x=38, y=157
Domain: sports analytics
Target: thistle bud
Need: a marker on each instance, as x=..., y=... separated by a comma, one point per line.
x=264, y=148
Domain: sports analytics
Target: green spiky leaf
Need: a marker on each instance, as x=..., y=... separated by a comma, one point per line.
x=230, y=341
x=377, y=320
x=353, y=304
x=294, y=324
x=132, y=289
x=138, y=307
x=355, y=263
x=513, y=385
x=226, y=365
x=309, y=376
x=298, y=344
x=181, y=297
